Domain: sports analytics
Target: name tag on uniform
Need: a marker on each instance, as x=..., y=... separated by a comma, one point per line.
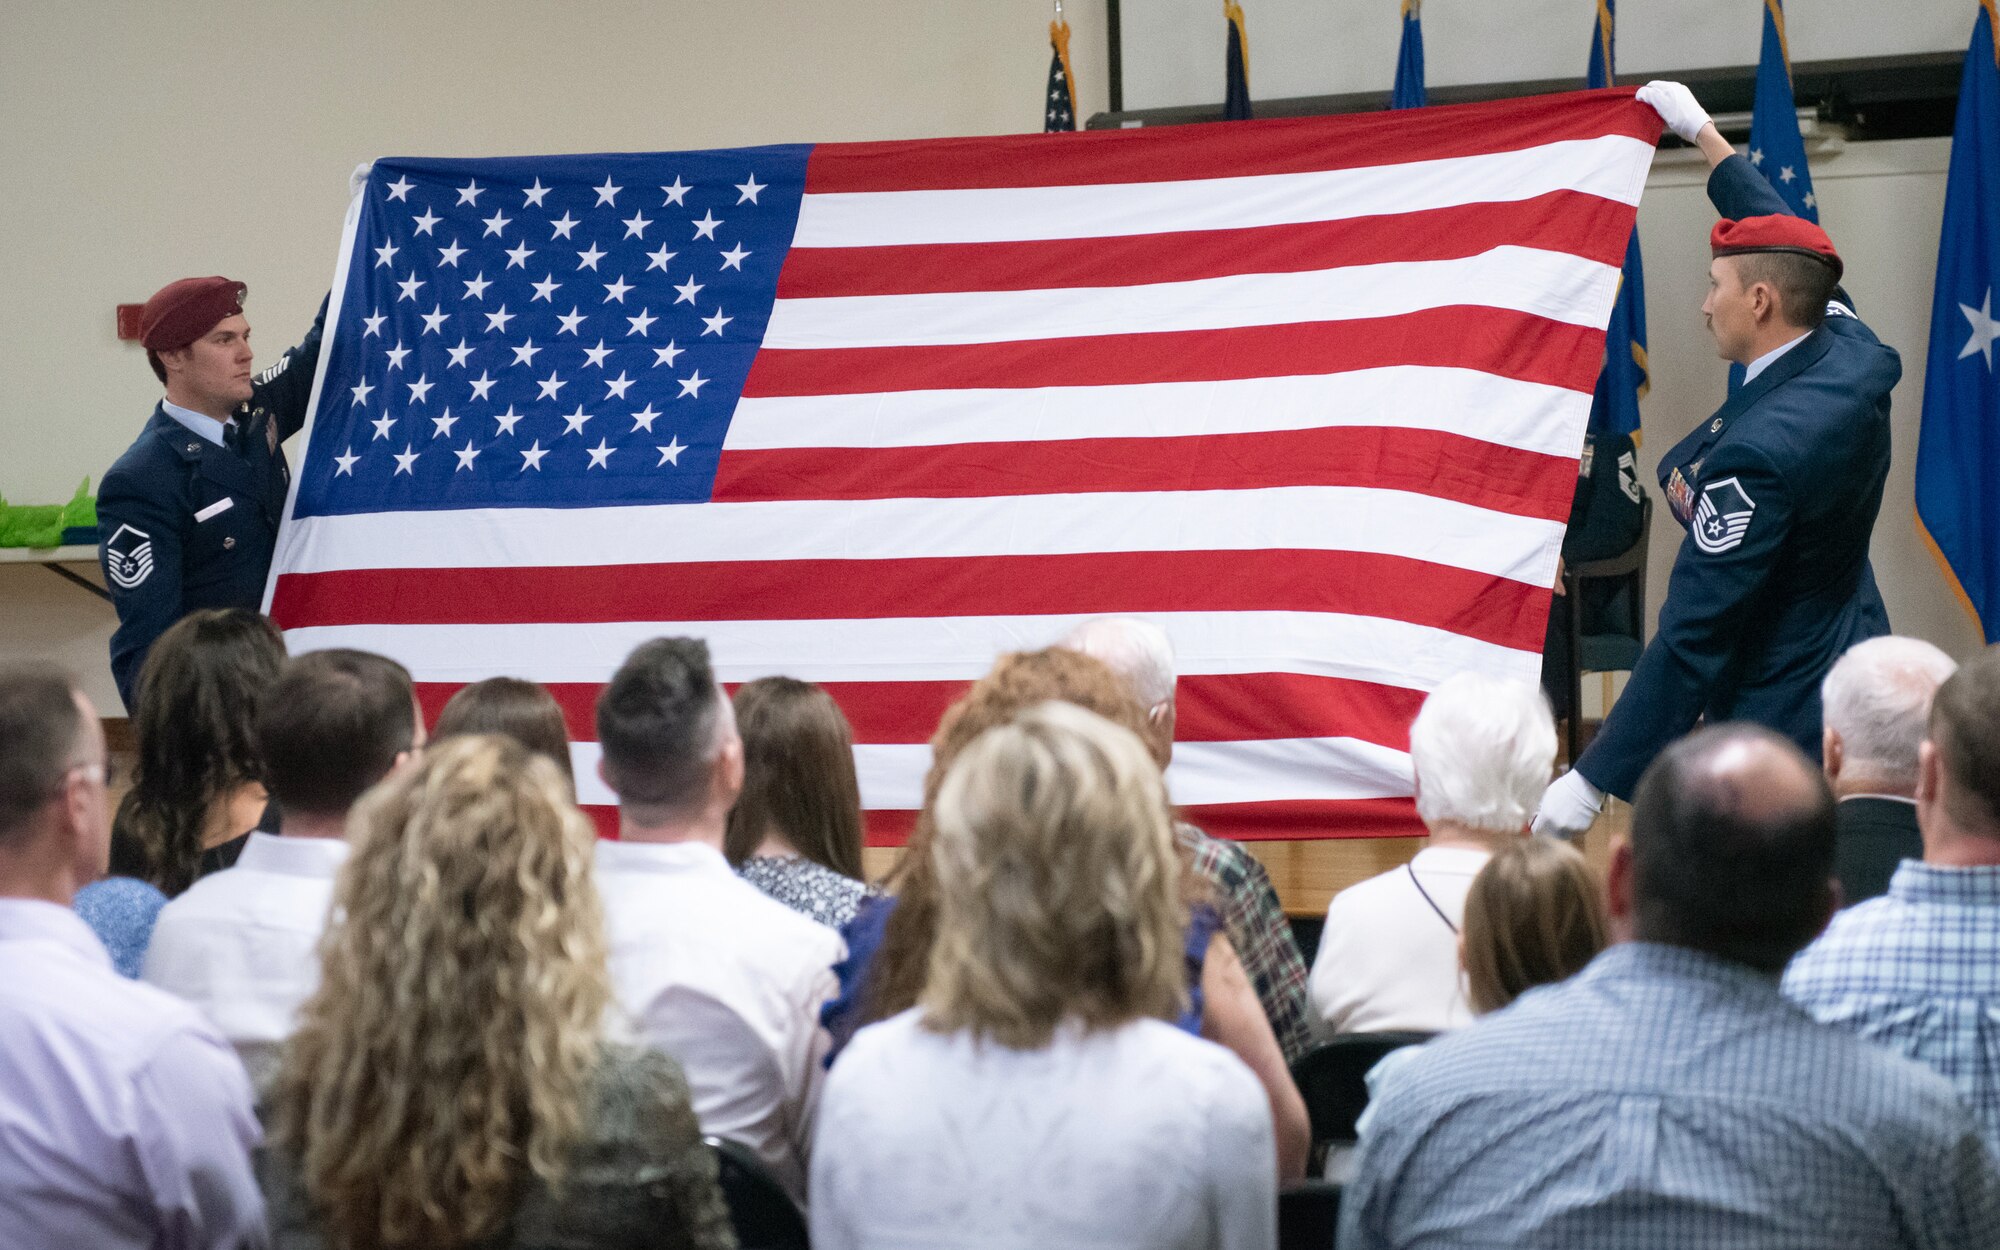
x=215, y=509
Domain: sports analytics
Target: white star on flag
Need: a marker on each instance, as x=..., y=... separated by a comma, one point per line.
x=676, y=193
x=498, y=320
x=426, y=223
x=508, y=420
x=600, y=455
x=595, y=355
x=459, y=353
x=692, y=384
x=475, y=287
x=644, y=418
x=498, y=222
x=688, y=290
x=546, y=289
x=383, y=424
x=396, y=354
x=531, y=457
x=469, y=193
x=588, y=259
x=573, y=422
x=563, y=225
x=482, y=384
x=517, y=256
x=421, y=388
x=410, y=286
x=705, y=228
x=615, y=388
x=671, y=453
x=450, y=255
x=658, y=260
x=444, y=424
x=534, y=194
x=635, y=225
x=715, y=323
x=434, y=319
x=385, y=255
x=749, y=190
x=466, y=455
x=373, y=324
x=406, y=462
x=400, y=189
x=607, y=194
x=571, y=322
x=733, y=258
x=666, y=355
x=346, y=463
x=1984, y=329
x=361, y=391
x=1786, y=174
x=616, y=289
x=641, y=323
x=550, y=385
x=525, y=353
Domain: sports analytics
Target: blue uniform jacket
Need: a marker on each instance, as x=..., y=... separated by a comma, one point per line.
x=1778, y=491
x=184, y=524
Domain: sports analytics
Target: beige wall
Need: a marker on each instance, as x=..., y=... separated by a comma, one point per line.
x=144, y=142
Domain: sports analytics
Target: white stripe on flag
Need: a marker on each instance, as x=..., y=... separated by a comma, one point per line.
x=1321, y=518
x=1548, y=284
x=1531, y=416
x=892, y=775
x=957, y=648
x=1611, y=166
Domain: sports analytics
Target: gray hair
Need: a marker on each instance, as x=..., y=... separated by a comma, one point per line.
x=1877, y=697
x=1136, y=650
x=1483, y=750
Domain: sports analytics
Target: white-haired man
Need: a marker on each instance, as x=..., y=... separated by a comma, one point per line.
x=1918, y=969
x=1876, y=701
x=1388, y=958
x=1140, y=652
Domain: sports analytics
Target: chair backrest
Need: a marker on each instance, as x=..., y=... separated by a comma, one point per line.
x=763, y=1214
x=1333, y=1079
x=1308, y=1215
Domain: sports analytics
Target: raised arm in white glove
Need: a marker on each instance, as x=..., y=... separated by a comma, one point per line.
x=1676, y=106
x=1568, y=806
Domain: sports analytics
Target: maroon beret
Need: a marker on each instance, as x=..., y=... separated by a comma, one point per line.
x=181, y=312
x=1776, y=233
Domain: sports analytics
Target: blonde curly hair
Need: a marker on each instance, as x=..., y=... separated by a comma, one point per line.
x=1058, y=885
x=445, y=1058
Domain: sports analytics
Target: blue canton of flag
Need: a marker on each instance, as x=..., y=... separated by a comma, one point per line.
x=552, y=332
x=1775, y=146
x=1626, y=376
x=1409, y=92
x=1059, y=110
x=1958, y=448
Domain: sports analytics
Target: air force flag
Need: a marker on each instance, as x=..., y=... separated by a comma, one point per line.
x=1958, y=448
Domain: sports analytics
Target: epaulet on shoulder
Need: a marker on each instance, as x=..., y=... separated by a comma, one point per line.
x=1834, y=308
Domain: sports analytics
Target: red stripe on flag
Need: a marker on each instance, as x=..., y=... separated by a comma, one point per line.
x=1478, y=605
x=1231, y=707
x=1428, y=462
x=1278, y=820
x=1561, y=221
x=1492, y=340
x=1183, y=153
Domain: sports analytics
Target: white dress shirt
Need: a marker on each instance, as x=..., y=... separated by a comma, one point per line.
x=1757, y=366
x=729, y=982
x=1388, y=960
x=242, y=944
x=200, y=423
x=1135, y=1138
x=124, y=1119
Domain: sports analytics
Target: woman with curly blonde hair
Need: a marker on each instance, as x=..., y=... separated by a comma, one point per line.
x=448, y=1084
x=1037, y=1082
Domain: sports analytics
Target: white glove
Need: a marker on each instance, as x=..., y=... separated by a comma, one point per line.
x=1569, y=805
x=1676, y=106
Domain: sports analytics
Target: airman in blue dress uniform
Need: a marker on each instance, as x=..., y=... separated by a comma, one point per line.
x=1778, y=492
x=188, y=516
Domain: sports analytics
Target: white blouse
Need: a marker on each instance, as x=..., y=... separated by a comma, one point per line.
x=1139, y=1137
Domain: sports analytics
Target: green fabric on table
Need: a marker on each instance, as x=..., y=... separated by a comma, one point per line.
x=47, y=525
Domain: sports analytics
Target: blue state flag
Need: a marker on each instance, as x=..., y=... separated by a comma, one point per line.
x=1409, y=92
x=1776, y=148
x=1625, y=378
x=1958, y=447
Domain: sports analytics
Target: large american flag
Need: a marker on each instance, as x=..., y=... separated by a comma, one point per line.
x=1308, y=393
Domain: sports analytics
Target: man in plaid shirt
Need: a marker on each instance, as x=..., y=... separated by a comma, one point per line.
x=1140, y=652
x=1918, y=969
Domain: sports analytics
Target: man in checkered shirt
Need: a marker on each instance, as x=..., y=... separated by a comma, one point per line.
x=1918, y=970
x=1668, y=1096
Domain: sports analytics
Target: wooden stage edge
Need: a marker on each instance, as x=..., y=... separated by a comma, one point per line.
x=1308, y=874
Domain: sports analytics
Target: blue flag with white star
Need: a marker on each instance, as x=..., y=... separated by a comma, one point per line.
x=1409, y=90
x=1958, y=447
x=1625, y=378
x=1775, y=146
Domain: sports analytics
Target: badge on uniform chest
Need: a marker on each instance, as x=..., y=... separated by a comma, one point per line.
x=1680, y=497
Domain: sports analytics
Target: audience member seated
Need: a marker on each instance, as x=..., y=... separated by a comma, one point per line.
x=513, y=708
x=1668, y=1095
x=1534, y=916
x=795, y=832
x=198, y=786
x=125, y=1121
x=888, y=978
x=1141, y=653
x=1875, y=702
x=1388, y=956
x=242, y=944
x=450, y=1083
x=715, y=972
x=121, y=911
x=1918, y=970
x=1035, y=1095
